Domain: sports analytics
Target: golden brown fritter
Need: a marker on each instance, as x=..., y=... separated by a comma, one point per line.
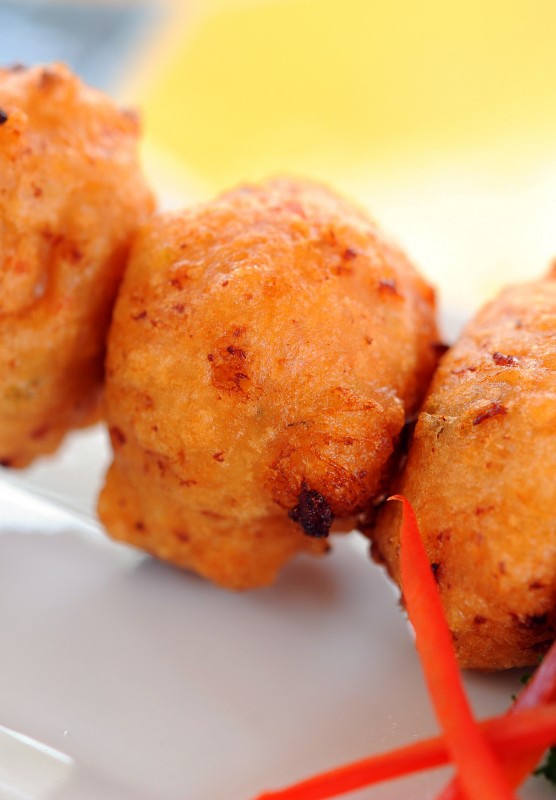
x=481, y=474
x=71, y=197
x=265, y=351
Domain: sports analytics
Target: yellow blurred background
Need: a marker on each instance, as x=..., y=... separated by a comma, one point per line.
x=440, y=116
x=279, y=84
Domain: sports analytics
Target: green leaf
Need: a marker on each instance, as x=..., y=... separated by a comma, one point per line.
x=548, y=767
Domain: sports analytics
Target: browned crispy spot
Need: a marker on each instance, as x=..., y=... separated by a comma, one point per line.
x=188, y=482
x=208, y=512
x=536, y=585
x=493, y=410
x=389, y=286
x=117, y=437
x=462, y=370
x=228, y=369
x=177, y=282
x=313, y=513
x=349, y=254
x=40, y=433
x=531, y=621
x=480, y=510
x=48, y=79
x=146, y=400
x=505, y=361
x=236, y=351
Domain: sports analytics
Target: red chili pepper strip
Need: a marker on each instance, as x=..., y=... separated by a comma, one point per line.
x=515, y=739
x=526, y=729
x=542, y=686
x=366, y=772
x=540, y=690
x=480, y=773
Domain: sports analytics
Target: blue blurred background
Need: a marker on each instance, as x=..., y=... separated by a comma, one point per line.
x=97, y=40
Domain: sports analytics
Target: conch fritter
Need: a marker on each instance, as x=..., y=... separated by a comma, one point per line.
x=481, y=475
x=265, y=351
x=71, y=197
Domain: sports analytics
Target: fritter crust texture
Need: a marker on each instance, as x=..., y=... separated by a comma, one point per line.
x=71, y=197
x=481, y=474
x=265, y=351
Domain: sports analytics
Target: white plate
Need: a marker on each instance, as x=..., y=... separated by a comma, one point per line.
x=148, y=683
x=134, y=681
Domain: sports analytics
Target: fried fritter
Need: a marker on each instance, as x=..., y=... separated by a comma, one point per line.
x=481, y=474
x=71, y=198
x=265, y=351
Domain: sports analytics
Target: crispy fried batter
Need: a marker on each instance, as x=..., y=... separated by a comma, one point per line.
x=265, y=351
x=71, y=197
x=481, y=473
